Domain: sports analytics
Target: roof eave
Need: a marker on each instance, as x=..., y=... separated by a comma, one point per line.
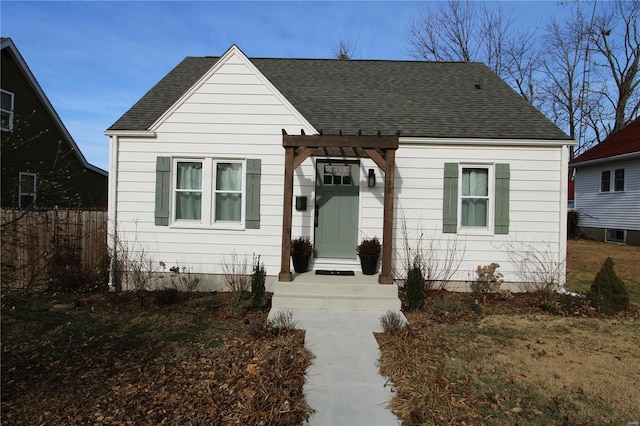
x=486, y=141
x=620, y=157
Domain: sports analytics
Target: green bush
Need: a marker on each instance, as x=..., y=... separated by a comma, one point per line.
x=608, y=292
x=414, y=286
x=257, y=283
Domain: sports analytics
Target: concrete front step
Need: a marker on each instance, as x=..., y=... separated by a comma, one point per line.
x=335, y=294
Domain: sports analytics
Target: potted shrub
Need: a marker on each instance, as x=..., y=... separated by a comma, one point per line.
x=301, y=253
x=369, y=252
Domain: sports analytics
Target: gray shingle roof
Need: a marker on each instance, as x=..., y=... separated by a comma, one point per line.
x=428, y=99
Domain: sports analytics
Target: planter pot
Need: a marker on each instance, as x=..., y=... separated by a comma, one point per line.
x=300, y=264
x=369, y=264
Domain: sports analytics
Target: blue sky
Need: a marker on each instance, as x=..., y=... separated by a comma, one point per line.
x=95, y=59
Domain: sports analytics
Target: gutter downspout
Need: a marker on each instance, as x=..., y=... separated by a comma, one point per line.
x=112, y=212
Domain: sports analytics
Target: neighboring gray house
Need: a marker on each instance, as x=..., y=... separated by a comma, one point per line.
x=212, y=159
x=607, y=187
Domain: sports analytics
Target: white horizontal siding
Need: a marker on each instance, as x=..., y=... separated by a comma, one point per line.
x=235, y=114
x=232, y=115
x=535, y=203
x=613, y=210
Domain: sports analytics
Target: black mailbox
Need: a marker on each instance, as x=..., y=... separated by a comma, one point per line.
x=301, y=203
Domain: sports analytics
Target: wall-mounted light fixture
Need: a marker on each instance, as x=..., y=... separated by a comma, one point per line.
x=371, y=179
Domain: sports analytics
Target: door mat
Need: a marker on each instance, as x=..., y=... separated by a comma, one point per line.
x=334, y=272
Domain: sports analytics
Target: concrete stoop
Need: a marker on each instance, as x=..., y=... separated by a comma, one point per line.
x=339, y=293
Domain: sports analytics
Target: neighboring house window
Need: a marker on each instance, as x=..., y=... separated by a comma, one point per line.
x=609, y=185
x=188, y=190
x=26, y=189
x=6, y=110
x=618, y=180
x=208, y=192
x=615, y=236
x=605, y=181
x=476, y=197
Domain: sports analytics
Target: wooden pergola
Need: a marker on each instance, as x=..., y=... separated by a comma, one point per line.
x=381, y=149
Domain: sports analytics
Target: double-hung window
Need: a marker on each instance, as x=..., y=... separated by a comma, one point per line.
x=605, y=181
x=6, y=110
x=474, y=197
x=228, y=193
x=188, y=190
x=26, y=189
x=618, y=180
x=607, y=184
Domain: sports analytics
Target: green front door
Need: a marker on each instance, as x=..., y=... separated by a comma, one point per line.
x=336, y=209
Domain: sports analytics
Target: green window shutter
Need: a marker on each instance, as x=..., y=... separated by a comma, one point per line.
x=450, y=199
x=252, y=206
x=163, y=188
x=503, y=175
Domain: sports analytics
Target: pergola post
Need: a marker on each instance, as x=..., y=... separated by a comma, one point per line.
x=287, y=215
x=387, y=221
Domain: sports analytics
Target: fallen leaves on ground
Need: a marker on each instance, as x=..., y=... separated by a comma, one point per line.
x=215, y=373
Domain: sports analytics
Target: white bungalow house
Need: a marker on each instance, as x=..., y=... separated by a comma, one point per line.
x=607, y=187
x=235, y=154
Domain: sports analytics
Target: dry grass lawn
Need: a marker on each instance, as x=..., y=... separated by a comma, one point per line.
x=585, y=258
x=532, y=359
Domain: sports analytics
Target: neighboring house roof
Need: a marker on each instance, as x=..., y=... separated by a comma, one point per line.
x=419, y=99
x=625, y=142
x=7, y=43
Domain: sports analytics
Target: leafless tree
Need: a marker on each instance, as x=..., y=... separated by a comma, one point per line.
x=582, y=71
x=591, y=70
x=616, y=39
x=565, y=70
x=346, y=49
x=466, y=32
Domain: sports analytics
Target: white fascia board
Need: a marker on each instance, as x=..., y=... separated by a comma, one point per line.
x=234, y=51
x=607, y=159
x=131, y=133
x=8, y=43
x=485, y=142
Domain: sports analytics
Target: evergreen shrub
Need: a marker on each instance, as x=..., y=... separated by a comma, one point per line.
x=414, y=286
x=258, y=283
x=608, y=292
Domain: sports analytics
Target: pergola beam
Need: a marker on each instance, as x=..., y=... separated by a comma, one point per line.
x=380, y=142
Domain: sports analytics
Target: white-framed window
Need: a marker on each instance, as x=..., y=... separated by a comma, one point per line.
x=228, y=194
x=6, y=110
x=612, y=180
x=209, y=192
x=605, y=181
x=618, y=180
x=26, y=189
x=615, y=236
x=188, y=190
x=475, y=196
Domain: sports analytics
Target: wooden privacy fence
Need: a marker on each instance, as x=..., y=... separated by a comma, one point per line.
x=39, y=246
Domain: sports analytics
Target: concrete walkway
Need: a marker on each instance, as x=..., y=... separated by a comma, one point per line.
x=343, y=385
